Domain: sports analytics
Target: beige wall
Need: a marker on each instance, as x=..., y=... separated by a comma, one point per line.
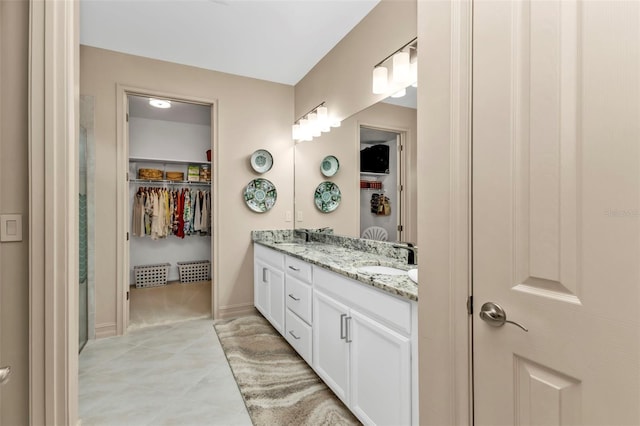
x=343, y=77
x=252, y=114
x=14, y=178
x=343, y=143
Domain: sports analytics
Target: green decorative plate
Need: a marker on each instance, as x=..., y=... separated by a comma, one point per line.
x=329, y=166
x=327, y=197
x=260, y=195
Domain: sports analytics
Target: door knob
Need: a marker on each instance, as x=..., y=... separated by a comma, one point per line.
x=5, y=372
x=494, y=315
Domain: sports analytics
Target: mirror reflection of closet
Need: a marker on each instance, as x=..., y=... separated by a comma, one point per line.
x=380, y=184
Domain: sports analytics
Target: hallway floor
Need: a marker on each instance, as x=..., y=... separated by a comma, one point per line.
x=173, y=374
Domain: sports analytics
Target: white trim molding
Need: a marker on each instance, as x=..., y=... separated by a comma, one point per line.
x=444, y=203
x=53, y=207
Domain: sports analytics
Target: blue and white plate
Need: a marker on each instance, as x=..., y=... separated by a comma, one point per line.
x=260, y=195
x=327, y=197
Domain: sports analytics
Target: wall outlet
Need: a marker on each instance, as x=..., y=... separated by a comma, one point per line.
x=288, y=216
x=299, y=216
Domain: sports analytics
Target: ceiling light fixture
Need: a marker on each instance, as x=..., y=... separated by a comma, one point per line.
x=313, y=124
x=159, y=103
x=404, y=71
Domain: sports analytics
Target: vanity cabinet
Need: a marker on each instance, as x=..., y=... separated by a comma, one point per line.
x=360, y=340
x=268, y=285
x=362, y=348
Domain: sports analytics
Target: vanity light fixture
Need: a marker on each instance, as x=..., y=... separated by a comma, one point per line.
x=159, y=103
x=313, y=124
x=404, y=71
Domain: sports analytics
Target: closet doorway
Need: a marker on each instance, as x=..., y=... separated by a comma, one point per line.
x=381, y=184
x=169, y=220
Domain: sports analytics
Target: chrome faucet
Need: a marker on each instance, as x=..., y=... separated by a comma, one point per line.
x=411, y=257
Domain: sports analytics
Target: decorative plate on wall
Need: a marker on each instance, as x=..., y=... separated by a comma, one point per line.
x=327, y=197
x=329, y=165
x=260, y=195
x=261, y=161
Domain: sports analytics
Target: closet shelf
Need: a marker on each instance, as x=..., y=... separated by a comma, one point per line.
x=169, y=182
x=163, y=161
x=373, y=174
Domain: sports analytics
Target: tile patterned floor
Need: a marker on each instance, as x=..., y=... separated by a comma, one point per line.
x=173, y=374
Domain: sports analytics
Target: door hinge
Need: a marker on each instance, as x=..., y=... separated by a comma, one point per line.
x=127, y=117
x=127, y=176
x=470, y=305
x=400, y=147
x=127, y=295
x=127, y=236
x=400, y=188
x=400, y=228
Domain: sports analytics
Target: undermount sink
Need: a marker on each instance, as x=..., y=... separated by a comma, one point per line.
x=383, y=270
x=413, y=274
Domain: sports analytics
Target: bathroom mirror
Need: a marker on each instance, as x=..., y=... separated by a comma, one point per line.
x=392, y=193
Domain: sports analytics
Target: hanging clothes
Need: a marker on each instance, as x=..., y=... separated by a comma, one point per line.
x=161, y=212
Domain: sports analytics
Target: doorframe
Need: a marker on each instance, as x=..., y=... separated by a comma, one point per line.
x=53, y=206
x=444, y=202
x=401, y=175
x=122, y=196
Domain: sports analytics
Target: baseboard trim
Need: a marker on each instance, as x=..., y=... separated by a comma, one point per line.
x=106, y=330
x=232, y=311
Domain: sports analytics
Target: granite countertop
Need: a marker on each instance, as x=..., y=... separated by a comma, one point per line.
x=346, y=260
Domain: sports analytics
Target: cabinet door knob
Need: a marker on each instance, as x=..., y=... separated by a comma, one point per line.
x=347, y=323
x=342, y=333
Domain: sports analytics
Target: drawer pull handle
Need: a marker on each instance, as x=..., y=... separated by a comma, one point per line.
x=347, y=322
x=294, y=298
x=342, y=335
x=294, y=336
x=293, y=268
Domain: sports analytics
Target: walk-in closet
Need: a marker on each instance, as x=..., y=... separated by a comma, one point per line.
x=170, y=210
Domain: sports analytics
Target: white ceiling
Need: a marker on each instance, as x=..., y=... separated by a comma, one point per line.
x=274, y=40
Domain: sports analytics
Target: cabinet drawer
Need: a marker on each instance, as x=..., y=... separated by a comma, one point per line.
x=386, y=308
x=298, y=268
x=299, y=336
x=298, y=296
x=270, y=256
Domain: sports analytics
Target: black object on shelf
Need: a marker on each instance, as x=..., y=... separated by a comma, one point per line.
x=375, y=159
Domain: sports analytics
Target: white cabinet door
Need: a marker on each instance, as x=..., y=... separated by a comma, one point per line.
x=276, y=299
x=268, y=293
x=261, y=287
x=380, y=372
x=330, y=350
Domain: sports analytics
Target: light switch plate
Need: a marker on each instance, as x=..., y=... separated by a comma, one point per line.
x=10, y=227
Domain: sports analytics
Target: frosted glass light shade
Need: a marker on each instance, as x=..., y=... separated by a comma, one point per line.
x=380, y=80
x=323, y=114
x=401, y=66
x=295, y=132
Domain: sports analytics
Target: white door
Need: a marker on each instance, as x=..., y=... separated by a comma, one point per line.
x=556, y=211
x=276, y=299
x=384, y=397
x=330, y=350
x=261, y=287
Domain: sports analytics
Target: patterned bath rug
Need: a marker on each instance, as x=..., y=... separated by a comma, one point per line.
x=277, y=385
